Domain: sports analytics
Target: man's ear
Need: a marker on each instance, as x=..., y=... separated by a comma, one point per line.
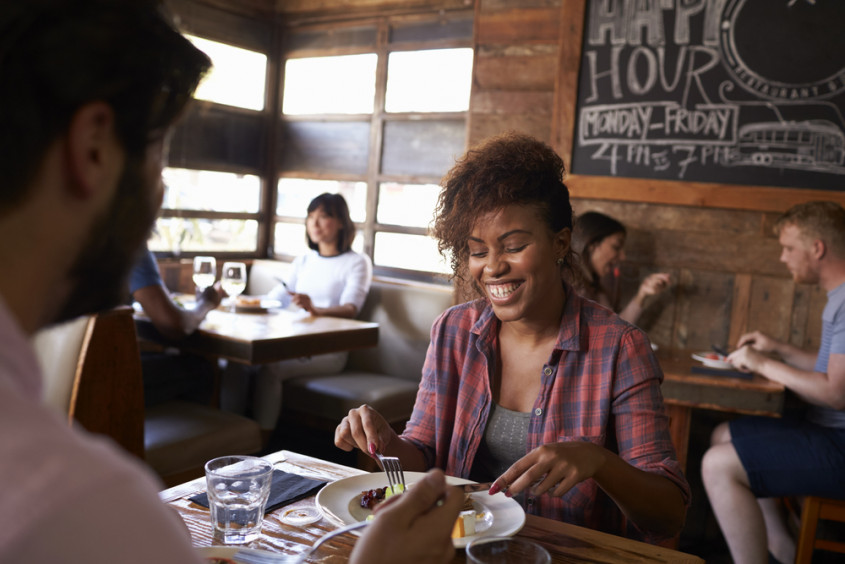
x=94, y=156
x=819, y=249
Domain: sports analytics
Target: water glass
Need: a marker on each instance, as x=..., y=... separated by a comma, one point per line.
x=238, y=488
x=506, y=550
x=205, y=272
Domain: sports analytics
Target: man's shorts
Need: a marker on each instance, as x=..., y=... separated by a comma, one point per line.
x=790, y=456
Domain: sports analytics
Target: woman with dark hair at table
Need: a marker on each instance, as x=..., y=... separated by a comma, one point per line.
x=331, y=280
x=600, y=241
x=548, y=394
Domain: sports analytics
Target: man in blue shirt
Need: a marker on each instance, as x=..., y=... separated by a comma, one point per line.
x=168, y=374
x=754, y=460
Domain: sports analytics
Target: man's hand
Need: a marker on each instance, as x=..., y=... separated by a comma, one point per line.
x=414, y=528
x=747, y=359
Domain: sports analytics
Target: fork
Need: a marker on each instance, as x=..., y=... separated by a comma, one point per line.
x=393, y=468
x=249, y=557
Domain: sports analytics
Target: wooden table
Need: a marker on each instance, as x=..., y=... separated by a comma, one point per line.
x=684, y=391
x=566, y=543
x=261, y=338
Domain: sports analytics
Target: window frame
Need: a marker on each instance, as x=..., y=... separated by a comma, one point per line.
x=378, y=121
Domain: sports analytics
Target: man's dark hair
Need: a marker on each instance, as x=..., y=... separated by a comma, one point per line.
x=57, y=55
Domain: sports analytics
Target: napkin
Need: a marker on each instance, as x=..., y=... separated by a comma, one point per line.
x=724, y=372
x=285, y=488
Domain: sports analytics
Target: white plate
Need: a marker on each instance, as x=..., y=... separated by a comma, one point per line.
x=229, y=552
x=261, y=307
x=704, y=357
x=340, y=503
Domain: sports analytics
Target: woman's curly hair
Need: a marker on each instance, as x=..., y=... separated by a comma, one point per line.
x=509, y=169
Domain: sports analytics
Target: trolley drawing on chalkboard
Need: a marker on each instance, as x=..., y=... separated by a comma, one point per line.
x=811, y=145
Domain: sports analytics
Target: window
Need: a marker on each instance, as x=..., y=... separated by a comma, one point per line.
x=237, y=77
x=382, y=138
x=213, y=188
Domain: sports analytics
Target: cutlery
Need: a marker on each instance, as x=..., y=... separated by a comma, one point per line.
x=719, y=350
x=471, y=488
x=283, y=284
x=252, y=557
x=393, y=468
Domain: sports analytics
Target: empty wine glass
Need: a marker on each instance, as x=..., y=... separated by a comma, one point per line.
x=205, y=272
x=233, y=279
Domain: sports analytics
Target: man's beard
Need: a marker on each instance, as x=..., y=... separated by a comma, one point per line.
x=99, y=276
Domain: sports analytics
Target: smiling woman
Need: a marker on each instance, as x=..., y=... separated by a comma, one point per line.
x=553, y=389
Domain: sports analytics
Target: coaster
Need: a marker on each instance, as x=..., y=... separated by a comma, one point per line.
x=300, y=516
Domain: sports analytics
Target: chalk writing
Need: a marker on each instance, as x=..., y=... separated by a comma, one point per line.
x=738, y=91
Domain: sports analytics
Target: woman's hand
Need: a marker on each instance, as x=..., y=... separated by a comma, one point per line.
x=303, y=301
x=364, y=428
x=654, y=284
x=414, y=527
x=553, y=468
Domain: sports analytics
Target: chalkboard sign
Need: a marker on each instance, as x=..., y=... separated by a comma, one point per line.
x=730, y=91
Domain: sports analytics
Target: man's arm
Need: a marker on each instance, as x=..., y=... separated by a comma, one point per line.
x=819, y=388
x=171, y=320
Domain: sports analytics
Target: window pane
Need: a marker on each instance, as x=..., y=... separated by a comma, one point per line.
x=407, y=204
x=175, y=234
x=187, y=189
x=237, y=77
x=325, y=146
x=289, y=239
x=436, y=80
x=411, y=252
x=422, y=147
x=330, y=85
x=296, y=193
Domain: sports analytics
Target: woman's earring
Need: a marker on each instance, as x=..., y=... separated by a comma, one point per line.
x=559, y=262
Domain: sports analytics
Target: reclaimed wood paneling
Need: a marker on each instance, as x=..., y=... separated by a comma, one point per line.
x=517, y=72
x=704, y=305
x=770, y=306
x=335, y=7
x=483, y=126
x=518, y=26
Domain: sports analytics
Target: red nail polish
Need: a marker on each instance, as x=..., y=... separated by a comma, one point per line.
x=494, y=489
x=372, y=449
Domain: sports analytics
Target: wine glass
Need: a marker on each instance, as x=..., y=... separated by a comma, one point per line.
x=205, y=272
x=233, y=280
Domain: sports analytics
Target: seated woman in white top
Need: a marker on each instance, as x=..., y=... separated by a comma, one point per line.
x=331, y=280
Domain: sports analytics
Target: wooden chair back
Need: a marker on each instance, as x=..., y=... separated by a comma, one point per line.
x=92, y=370
x=817, y=509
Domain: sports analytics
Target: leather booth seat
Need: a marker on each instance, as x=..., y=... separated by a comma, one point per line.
x=385, y=377
x=180, y=436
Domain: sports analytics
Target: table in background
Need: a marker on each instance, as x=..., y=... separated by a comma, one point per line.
x=261, y=338
x=566, y=543
x=684, y=391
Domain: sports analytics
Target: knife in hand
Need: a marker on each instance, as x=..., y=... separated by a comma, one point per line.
x=471, y=488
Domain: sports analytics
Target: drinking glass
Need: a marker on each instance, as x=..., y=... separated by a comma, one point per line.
x=205, y=272
x=506, y=550
x=233, y=279
x=238, y=488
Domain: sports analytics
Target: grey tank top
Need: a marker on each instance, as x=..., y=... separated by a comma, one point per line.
x=503, y=443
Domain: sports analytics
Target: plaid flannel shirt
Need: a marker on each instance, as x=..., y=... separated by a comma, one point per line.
x=601, y=384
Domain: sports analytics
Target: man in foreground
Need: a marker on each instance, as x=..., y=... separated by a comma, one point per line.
x=88, y=92
x=754, y=460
